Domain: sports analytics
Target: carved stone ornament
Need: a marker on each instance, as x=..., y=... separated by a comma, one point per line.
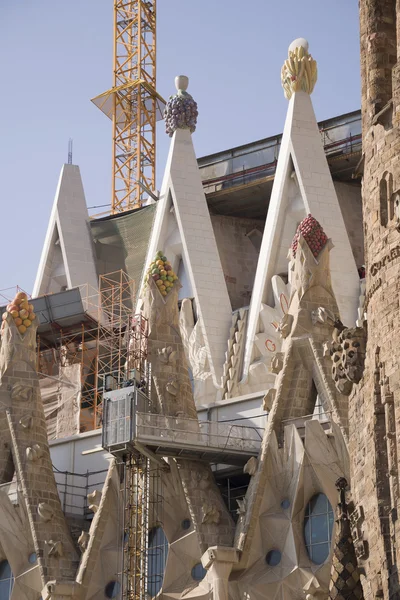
x=172, y=387
x=277, y=363
x=299, y=71
x=26, y=421
x=211, y=514
x=396, y=209
x=323, y=315
x=242, y=506
x=251, y=466
x=21, y=391
x=181, y=110
x=45, y=512
x=285, y=326
x=269, y=399
x=83, y=540
x=56, y=549
x=348, y=357
x=94, y=499
x=166, y=355
x=34, y=453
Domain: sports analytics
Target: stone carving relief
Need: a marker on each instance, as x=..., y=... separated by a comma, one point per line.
x=195, y=351
x=26, y=421
x=277, y=363
x=166, y=355
x=45, y=512
x=83, y=540
x=21, y=391
x=242, y=506
x=172, y=387
x=269, y=399
x=211, y=514
x=348, y=356
x=285, y=325
x=268, y=339
x=251, y=466
x=356, y=520
x=396, y=208
x=34, y=453
x=94, y=499
x=55, y=549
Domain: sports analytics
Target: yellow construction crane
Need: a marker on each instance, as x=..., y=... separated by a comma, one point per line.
x=133, y=104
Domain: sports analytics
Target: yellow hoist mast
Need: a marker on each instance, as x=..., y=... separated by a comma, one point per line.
x=133, y=104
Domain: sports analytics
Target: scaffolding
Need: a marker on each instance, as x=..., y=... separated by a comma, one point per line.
x=98, y=344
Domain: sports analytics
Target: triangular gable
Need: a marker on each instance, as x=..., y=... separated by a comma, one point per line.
x=67, y=258
x=303, y=185
x=183, y=230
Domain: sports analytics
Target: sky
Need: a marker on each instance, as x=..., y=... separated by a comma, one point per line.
x=56, y=56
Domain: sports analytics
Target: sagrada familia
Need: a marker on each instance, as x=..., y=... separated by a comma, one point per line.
x=230, y=430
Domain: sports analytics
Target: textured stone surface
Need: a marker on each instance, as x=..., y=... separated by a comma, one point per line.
x=374, y=407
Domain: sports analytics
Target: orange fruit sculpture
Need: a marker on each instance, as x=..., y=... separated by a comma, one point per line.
x=21, y=311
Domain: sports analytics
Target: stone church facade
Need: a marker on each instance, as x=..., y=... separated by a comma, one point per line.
x=284, y=380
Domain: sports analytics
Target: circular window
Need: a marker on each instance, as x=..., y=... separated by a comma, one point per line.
x=112, y=589
x=318, y=526
x=198, y=572
x=157, y=558
x=186, y=524
x=285, y=503
x=32, y=558
x=273, y=558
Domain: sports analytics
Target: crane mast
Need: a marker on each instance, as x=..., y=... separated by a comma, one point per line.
x=133, y=104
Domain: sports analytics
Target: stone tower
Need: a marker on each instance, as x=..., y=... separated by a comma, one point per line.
x=375, y=404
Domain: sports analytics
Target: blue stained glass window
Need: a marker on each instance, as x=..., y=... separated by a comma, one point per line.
x=273, y=558
x=6, y=580
x=157, y=558
x=318, y=527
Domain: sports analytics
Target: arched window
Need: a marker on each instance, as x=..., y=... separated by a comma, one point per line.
x=6, y=580
x=157, y=558
x=318, y=525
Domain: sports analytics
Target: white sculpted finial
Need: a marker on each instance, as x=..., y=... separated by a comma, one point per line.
x=181, y=82
x=299, y=71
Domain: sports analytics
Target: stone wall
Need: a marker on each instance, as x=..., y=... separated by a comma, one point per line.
x=374, y=408
x=238, y=255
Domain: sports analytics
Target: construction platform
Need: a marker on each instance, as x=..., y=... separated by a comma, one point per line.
x=128, y=427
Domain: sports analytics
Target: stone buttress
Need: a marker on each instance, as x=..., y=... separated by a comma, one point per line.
x=25, y=451
x=172, y=396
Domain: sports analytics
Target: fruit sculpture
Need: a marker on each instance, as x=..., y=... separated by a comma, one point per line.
x=181, y=109
x=21, y=311
x=313, y=233
x=162, y=274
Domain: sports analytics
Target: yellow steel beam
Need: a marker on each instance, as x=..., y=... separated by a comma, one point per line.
x=133, y=103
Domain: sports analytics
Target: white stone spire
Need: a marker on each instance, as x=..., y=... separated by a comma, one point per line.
x=303, y=185
x=183, y=230
x=67, y=258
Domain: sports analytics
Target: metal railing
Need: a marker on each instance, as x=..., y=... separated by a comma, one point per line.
x=164, y=430
x=239, y=166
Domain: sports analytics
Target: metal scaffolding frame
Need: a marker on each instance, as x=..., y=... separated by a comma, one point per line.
x=100, y=346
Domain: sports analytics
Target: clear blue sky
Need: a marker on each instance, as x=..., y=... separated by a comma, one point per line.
x=56, y=55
